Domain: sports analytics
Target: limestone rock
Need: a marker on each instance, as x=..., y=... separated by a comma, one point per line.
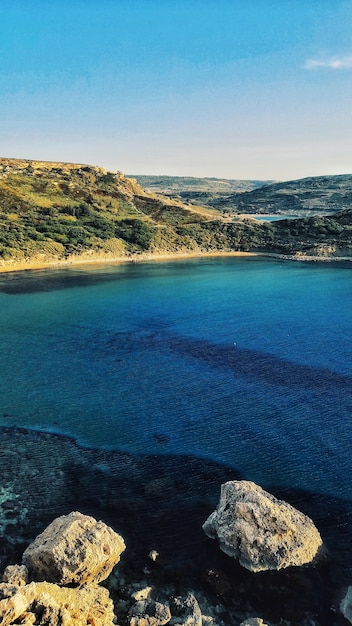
x=16, y=575
x=13, y=607
x=74, y=548
x=263, y=533
x=46, y=603
x=253, y=621
x=346, y=605
x=149, y=613
x=186, y=611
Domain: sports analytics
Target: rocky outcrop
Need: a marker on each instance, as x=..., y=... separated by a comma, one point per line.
x=46, y=603
x=57, y=583
x=263, y=533
x=253, y=621
x=74, y=549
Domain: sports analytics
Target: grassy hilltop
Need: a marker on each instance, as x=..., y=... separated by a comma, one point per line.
x=57, y=211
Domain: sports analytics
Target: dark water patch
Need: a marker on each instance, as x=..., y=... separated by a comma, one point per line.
x=245, y=362
x=267, y=367
x=161, y=502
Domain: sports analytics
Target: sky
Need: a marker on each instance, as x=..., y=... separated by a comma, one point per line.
x=242, y=89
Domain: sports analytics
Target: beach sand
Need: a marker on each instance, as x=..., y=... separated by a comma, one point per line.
x=41, y=262
x=105, y=259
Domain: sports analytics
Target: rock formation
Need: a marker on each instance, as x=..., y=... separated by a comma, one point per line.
x=74, y=548
x=57, y=583
x=75, y=552
x=263, y=533
x=46, y=603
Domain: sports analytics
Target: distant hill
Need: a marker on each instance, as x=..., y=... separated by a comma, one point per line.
x=204, y=191
x=307, y=196
x=304, y=197
x=177, y=184
x=55, y=212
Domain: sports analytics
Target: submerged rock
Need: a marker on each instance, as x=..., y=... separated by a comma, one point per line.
x=74, y=548
x=186, y=611
x=346, y=605
x=263, y=533
x=149, y=613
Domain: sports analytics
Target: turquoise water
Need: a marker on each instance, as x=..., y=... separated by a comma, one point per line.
x=244, y=361
x=274, y=218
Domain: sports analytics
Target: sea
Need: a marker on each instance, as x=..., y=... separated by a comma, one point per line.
x=242, y=363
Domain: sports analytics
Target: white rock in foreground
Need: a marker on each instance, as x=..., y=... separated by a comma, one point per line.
x=263, y=533
x=74, y=548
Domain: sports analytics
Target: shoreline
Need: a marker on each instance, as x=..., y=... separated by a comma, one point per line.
x=63, y=469
x=102, y=259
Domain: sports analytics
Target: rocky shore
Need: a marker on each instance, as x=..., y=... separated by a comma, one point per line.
x=58, y=580
x=157, y=505
x=58, y=583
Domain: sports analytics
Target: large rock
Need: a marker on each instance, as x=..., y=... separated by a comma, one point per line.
x=74, y=549
x=263, y=533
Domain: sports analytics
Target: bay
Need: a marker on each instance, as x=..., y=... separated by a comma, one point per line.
x=242, y=361
x=132, y=392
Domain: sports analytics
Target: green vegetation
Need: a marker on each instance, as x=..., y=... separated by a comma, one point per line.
x=58, y=209
x=67, y=210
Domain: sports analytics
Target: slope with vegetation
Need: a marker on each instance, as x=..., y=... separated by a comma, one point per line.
x=304, y=197
x=57, y=211
x=217, y=193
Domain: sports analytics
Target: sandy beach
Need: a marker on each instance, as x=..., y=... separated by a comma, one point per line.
x=41, y=262
x=105, y=259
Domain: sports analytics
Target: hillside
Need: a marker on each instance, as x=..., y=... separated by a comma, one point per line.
x=211, y=192
x=304, y=197
x=55, y=212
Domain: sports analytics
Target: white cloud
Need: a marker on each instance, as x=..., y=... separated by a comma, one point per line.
x=332, y=63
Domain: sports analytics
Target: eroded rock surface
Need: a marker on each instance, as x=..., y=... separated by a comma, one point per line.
x=46, y=603
x=262, y=532
x=186, y=611
x=74, y=548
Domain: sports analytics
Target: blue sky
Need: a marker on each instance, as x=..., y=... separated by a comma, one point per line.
x=257, y=89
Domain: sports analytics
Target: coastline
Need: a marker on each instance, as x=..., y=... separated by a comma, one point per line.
x=40, y=263
x=65, y=472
